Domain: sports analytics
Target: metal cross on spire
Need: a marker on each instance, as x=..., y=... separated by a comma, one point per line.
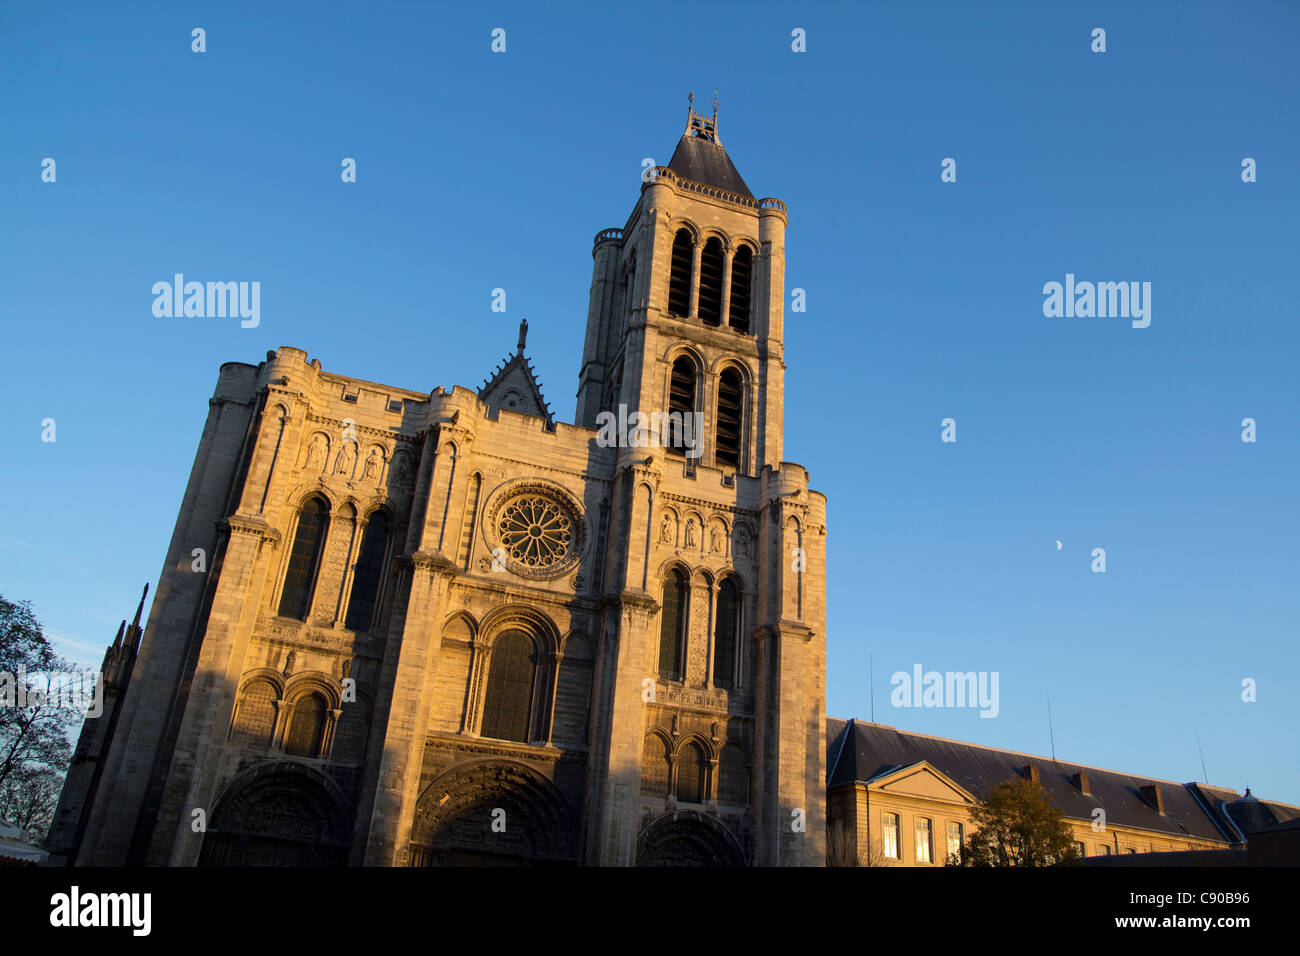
x=699, y=124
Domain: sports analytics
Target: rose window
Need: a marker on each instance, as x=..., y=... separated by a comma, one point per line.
x=535, y=531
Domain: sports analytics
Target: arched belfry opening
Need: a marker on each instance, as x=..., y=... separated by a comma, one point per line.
x=711, y=268
x=679, y=274
x=742, y=273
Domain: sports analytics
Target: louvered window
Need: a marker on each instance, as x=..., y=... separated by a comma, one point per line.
x=681, y=405
x=710, y=304
x=679, y=277
x=731, y=394
x=742, y=267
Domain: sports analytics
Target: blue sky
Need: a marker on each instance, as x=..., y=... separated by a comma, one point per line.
x=479, y=170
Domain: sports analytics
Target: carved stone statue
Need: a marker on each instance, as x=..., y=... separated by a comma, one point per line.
x=715, y=540
x=371, y=471
x=316, y=452
x=666, y=530
x=289, y=662
x=343, y=464
x=690, y=533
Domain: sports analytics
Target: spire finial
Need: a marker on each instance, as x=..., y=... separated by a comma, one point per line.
x=140, y=608
x=699, y=124
x=523, y=334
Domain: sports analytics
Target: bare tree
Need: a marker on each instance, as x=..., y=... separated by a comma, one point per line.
x=28, y=798
x=841, y=846
x=38, y=709
x=842, y=849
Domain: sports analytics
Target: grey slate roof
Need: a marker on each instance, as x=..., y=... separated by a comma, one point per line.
x=864, y=751
x=708, y=163
x=1251, y=815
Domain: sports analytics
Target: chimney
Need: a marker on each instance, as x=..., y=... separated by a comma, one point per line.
x=1152, y=795
x=1080, y=780
x=1031, y=773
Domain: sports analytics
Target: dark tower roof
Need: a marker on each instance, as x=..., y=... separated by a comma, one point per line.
x=700, y=155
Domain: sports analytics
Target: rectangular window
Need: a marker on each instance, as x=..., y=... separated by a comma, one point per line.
x=1105, y=849
x=954, y=842
x=890, y=839
x=923, y=847
x=1083, y=850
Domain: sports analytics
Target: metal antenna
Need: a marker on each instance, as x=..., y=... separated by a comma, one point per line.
x=871, y=664
x=1050, y=734
x=1204, y=776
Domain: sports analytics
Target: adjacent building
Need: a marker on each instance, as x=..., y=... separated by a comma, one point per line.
x=897, y=798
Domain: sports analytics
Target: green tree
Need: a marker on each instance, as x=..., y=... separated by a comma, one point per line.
x=35, y=724
x=1018, y=826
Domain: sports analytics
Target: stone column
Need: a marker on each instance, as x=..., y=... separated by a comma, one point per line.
x=696, y=251
x=618, y=707
x=408, y=713
x=725, y=319
x=710, y=645
x=195, y=764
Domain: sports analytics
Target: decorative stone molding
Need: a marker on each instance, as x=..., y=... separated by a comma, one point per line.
x=432, y=563
x=536, y=527
x=255, y=526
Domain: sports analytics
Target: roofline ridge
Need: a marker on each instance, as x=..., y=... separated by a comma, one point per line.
x=1017, y=753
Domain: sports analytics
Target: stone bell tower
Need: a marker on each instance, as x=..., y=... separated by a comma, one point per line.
x=710, y=693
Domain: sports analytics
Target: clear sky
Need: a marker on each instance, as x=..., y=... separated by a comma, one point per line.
x=925, y=300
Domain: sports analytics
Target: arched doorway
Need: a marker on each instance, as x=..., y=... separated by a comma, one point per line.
x=687, y=838
x=280, y=814
x=492, y=813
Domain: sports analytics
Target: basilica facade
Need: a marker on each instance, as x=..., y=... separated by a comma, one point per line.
x=398, y=628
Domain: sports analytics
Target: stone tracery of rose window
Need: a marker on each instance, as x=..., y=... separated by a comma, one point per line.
x=535, y=531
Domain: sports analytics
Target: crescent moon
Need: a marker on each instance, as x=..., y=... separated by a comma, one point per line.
x=1058, y=544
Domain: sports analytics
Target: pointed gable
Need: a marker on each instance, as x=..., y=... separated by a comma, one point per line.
x=921, y=780
x=514, y=386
